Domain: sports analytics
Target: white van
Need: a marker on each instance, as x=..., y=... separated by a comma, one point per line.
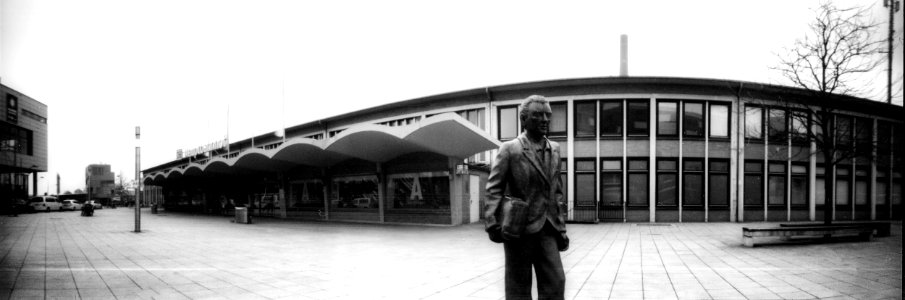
x=45, y=203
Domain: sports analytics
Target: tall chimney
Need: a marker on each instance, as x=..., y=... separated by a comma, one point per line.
x=623, y=55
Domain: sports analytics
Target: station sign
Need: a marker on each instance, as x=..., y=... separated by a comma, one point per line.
x=216, y=145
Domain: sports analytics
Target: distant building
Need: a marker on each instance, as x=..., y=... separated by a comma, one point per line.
x=23, y=143
x=99, y=181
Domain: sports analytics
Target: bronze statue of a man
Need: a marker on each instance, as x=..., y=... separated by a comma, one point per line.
x=527, y=169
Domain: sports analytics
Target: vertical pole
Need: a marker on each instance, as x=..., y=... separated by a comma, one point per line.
x=893, y=6
x=138, y=180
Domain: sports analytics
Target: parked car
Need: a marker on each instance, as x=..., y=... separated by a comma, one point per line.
x=95, y=204
x=45, y=203
x=71, y=205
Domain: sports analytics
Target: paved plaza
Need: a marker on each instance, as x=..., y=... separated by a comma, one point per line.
x=182, y=256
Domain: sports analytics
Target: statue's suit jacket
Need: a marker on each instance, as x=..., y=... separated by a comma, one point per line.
x=517, y=172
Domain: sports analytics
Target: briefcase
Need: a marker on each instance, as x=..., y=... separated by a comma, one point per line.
x=514, y=215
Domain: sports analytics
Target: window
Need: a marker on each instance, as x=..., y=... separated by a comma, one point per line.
x=638, y=182
x=718, y=189
x=693, y=183
x=777, y=125
x=667, y=119
x=693, y=119
x=754, y=183
x=895, y=194
x=306, y=193
x=584, y=183
x=776, y=188
x=667, y=182
x=719, y=121
x=426, y=190
x=820, y=186
x=843, y=130
x=882, y=188
x=611, y=118
x=754, y=122
x=354, y=192
x=799, y=184
x=800, y=128
x=863, y=136
x=508, y=128
x=585, y=118
x=559, y=119
x=564, y=179
x=16, y=139
x=842, y=186
x=611, y=182
x=862, y=190
x=638, y=117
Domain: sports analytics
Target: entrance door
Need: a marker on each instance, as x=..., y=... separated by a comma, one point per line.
x=474, y=194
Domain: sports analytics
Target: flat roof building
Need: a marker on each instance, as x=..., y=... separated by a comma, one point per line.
x=636, y=149
x=23, y=143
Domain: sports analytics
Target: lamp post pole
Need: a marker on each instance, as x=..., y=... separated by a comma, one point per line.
x=137, y=179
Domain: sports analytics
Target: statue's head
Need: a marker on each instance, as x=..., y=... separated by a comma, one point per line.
x=535, y=114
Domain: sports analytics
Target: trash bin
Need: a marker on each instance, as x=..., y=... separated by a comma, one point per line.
x=242, y=215
x=153, y=209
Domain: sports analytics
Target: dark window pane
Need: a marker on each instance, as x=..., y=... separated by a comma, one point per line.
x=612, y=165
x=754, y=125
x=719, y=189
x=611, y=118
x=637, y=164
x=693, y=165
x=558, y=120
x=819, y=192
x=508, y=123
x=754, y=167
x=719, y=121
x=638, y=116
x=611, y=193
x=584, y=189
x=881, y=192
x=418, y=191
x=843, y=130
x=564, y=177
x=862, y=192
x=777, y=124
x=693, y=189
x=799, y=126
x=585, y=118
x=666, y=165
x=777, y=190
x=777, y=168
x=754, y=190
x=666, y=189
x=693, y=119
x=637, y=189
x=667, y=119
x=799, y=190
x=584, y=165
x=719, y=166
x=842, y=192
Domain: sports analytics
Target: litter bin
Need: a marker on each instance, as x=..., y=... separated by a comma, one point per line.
x=242, y=216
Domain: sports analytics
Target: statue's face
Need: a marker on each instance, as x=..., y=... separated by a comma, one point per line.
x=538, y=120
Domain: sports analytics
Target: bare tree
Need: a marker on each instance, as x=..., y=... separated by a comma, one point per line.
x=828, y=62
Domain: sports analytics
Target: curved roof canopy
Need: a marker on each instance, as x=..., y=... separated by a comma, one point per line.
x=447, y=134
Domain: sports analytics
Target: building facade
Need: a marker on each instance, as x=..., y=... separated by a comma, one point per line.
x=636, y=149
x=23, y=143
x=99, y=183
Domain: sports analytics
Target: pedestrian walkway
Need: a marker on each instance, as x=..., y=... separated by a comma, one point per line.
x=181, y=256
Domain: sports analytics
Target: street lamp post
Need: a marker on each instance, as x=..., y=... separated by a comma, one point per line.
x=137, y=179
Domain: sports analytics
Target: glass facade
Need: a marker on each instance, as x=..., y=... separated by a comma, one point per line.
x=427, y=190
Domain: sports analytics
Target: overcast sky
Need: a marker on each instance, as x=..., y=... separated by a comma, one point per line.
x=176, y=67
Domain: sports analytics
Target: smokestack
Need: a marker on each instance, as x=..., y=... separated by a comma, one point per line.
x=623, y=55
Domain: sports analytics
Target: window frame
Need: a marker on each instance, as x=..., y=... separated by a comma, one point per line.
x=727, y=126
x=621, y=117
x=629, y=118
x=713, y=172
x=677, y=119
x=760, y=174
x=675, y=173
x=781, y=175
x=777, y=136
x=687, y=172
x=565, y=130
x=499, y=122
x=704, y=115
x=761, y=132
x=806, y=176
x=646, y=173
x=594, y=186
x=576, y=119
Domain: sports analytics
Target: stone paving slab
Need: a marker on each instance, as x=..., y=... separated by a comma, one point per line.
x=60, y=255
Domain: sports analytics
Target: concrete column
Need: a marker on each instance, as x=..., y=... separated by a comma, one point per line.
x=652, y=166
x=456, y=204
x=737, y=165
x=284, y=186
x=381, y=192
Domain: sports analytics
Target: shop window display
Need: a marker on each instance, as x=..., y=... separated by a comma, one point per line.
x=358, y=192
x=428, y=190
x=307, y=193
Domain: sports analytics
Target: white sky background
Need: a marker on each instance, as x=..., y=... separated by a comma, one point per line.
x=173, y=67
